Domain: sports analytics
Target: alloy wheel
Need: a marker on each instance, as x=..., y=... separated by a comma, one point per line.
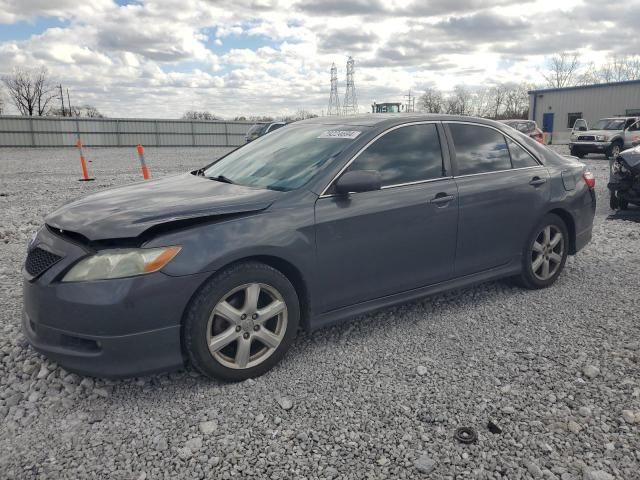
x=615, y=151
x=247, y=325
x=547, y=252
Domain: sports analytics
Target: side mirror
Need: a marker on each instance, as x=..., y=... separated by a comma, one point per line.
x=358, y=181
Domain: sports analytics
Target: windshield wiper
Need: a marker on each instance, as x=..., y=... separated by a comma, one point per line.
x=223, y=179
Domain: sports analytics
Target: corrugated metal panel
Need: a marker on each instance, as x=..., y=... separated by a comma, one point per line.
x=14, y=124
x=208, y=127
x=15, y=139
x=174, y=127
x=132, y=139
x=48, y=139
x=52, y=131
x=98, y=126
x=168, y=139
x=239, y=128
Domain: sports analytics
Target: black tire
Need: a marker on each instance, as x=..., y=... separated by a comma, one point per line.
x=616, y=146
x=528, y=278
x=197, y=319
x=613, y=201
x=577, y=153
x=624, y=203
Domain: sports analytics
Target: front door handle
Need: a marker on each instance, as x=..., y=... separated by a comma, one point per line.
x=442, y=198
x=537, y=181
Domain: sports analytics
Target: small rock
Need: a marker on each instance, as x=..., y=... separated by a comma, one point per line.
x=533, y=469
x=97, y=416
x=597, y=475
x=44, y=371
x=142, y=476
x=573, y=427
x=584, y=411
x=509, y=410
x=103, y=392
x=494, y=427
x=425, y=464
x=302, y=437
x=214, y=461
x=194, y=444
x=285, y=403
x=208, y=427
x=591, y=371
x=330, y=472
x=185, y=453
x=259, y=417
x=422, y=370
x=87, y=383
x=629, y=416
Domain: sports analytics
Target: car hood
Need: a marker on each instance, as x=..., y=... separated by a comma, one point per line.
x=126, y=212
x=608, y=133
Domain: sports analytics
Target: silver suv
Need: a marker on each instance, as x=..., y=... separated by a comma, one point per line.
x=609, y=136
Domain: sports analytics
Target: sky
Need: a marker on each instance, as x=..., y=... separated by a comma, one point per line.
x=159, y=58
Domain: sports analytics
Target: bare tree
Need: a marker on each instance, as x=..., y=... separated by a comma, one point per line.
x=619, y=69
x=91, y=111
x=459, y=102
x=30, y=91
x=431, y=101
x=562, y=70
x=195, y=115
x=1, y=102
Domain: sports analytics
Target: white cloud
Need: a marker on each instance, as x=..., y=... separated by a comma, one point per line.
x=162, y=57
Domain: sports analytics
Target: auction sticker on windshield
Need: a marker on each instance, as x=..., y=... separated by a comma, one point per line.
x=339, y=134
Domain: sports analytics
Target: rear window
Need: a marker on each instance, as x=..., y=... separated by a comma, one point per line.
x=479, y=149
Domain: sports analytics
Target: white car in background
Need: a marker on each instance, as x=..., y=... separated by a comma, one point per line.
x=609, y=136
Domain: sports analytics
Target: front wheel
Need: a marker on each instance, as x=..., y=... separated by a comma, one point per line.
x=241, y=322
x=545, y=253
x=614, y=150
x=577, y=153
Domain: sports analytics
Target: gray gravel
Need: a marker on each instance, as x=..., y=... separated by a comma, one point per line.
x=557, y=371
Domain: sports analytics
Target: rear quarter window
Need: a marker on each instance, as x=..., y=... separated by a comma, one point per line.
x=520, y=158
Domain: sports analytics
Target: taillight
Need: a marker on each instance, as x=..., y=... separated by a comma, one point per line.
x=589, y=179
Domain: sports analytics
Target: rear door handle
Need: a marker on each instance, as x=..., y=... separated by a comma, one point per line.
x=537, y=181
x=442, y=198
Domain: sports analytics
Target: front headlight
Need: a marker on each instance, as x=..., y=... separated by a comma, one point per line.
x=602, y=138
x=121, y=262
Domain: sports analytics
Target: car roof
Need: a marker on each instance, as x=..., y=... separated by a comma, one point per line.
x=389, y=119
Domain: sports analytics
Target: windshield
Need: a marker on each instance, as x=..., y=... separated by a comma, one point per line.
x=285, y=159
x=255, y=129
x=609, y=124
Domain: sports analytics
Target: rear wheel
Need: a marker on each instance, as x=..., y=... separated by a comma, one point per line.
x=242, y=322
x=545, y=253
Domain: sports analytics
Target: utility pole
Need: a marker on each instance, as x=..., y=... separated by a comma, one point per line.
x=411, y=102
x=69, y=103
x=62, y=99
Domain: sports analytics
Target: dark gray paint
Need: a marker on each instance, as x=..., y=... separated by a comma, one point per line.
x=347, y=256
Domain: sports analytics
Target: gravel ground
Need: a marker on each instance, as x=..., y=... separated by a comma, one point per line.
x=556, y=371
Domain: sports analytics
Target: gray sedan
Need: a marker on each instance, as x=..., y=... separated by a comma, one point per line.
x=311, y=225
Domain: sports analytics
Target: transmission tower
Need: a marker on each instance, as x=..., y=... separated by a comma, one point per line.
x=334, y=101
x=350, y=104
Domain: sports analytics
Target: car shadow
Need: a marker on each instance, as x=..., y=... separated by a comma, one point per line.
x=631, y=215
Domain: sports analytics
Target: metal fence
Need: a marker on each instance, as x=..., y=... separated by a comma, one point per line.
x=119, y=132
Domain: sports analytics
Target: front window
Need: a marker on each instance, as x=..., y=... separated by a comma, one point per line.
x=609, y=124
x=404, y=155
x=286, y=159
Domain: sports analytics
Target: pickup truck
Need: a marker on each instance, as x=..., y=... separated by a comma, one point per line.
x=609, y=136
